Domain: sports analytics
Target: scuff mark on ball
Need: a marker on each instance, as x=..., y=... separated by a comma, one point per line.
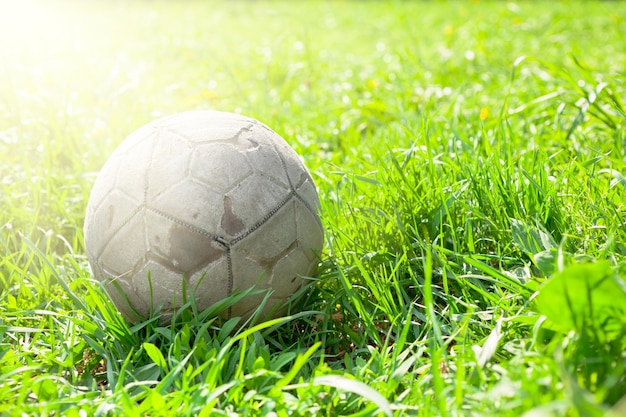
x=231, y=224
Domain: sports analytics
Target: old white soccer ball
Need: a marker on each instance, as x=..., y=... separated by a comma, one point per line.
x=204, y=201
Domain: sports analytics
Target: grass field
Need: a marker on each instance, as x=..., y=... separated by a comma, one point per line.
x=471, y=161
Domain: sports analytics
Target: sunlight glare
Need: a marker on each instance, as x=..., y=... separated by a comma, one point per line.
x=32, y=26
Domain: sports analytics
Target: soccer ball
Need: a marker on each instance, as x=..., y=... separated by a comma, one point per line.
x=206, y=203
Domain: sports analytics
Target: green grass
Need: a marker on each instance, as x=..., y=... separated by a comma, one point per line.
x=470, y=159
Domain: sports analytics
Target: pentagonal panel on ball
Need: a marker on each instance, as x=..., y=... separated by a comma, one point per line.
x=248, y=272
x=179, y=247
x=287, y=272
x=292, y=162
x=162, y=286
x=256, y=200
x=128, y=302
x=126, y=248
x=169, y=164
x=131, y=176
x=220, y=165
x=272, y=237
x=264, y=158
x=210, y=284
x=114, y=211
x=105, y=183
x=190, y=202
x=308, y=194
x=309, y=231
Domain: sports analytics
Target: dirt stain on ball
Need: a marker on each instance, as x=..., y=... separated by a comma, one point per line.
x=231, y=224
x=188, y=251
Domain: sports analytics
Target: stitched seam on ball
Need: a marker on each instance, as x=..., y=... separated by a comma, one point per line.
x=264, y=219
x=117, y=229
x=282, y=162
x=308, y=207
x=217, y=239
x=229, y=288
x=294, y=191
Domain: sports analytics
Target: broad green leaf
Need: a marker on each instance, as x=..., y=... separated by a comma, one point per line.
x=584, y=292
x=531, y=239
x=546, y=261
x=45, y=389
x=155, y=354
